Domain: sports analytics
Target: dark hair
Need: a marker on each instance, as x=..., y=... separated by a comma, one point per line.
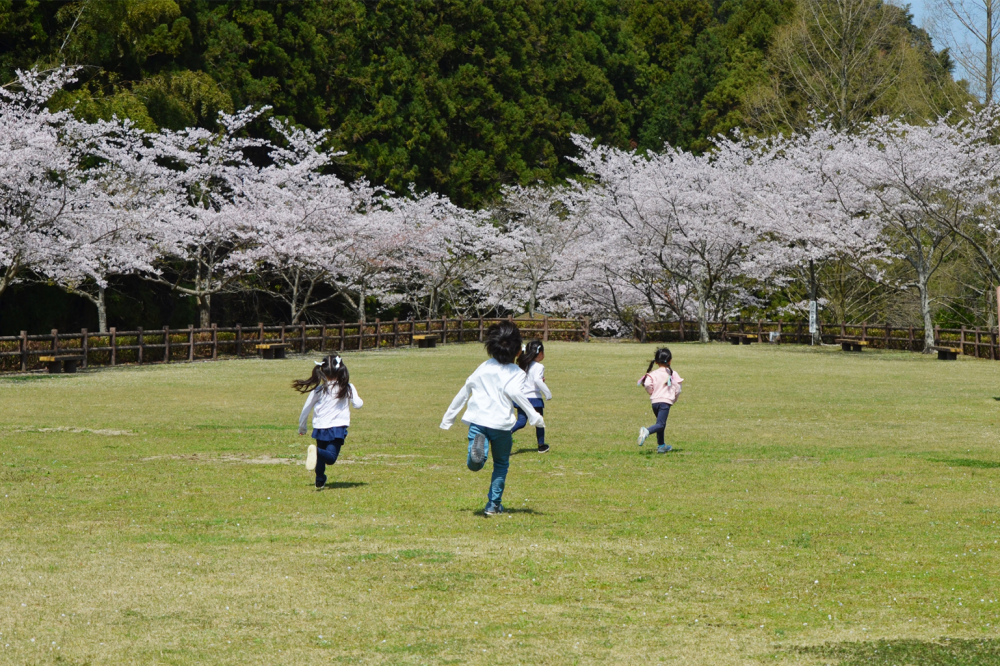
x=663, y=356
x=530, y=353
x=331, y=374
x=503, y=341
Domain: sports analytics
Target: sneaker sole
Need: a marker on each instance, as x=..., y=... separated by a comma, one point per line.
x=478, y=455
x=545, y=450
x=311, y=458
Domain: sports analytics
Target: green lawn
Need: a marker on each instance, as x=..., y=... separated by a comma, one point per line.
x=820, y=508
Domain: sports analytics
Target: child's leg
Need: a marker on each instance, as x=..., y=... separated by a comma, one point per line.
x=522, y=420
x=326, y=454
x=501, y=442
x=662, y=410
x=473, y=431
x=539, y=432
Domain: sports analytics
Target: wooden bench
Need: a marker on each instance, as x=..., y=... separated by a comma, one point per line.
x=851, y=345
x=742, y=338
x=61, y=363
x=947, y=353
x=426, y=341
x=273, y=349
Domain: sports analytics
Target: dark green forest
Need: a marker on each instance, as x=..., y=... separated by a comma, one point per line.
x=455, y=96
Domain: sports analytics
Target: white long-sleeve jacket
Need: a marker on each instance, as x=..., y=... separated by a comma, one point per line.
x=491, y=391
x=329, y=410
x=534, y=382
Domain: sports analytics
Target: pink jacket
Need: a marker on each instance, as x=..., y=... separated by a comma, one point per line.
x=662, y=385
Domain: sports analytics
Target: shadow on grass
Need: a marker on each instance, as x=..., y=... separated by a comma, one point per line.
x=533, y=449
x=525, y=510
x=942, y=652
x=340, y=485
x=997, y=398
x=967, y=462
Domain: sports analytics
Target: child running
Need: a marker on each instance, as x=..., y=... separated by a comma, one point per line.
x=490, y=392
x=331, y=395
x=530, y=361
x=663, y=386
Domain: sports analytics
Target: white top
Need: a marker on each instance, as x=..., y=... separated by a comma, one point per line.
x=491, y=392
x=534, y=382
x=328, y=411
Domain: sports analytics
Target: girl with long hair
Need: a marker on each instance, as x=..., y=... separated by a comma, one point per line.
x=331, y=396
x=663, y=386
x=530, y=361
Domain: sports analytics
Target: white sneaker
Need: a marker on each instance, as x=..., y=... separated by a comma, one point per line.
x=311, y=457
x=643, y=434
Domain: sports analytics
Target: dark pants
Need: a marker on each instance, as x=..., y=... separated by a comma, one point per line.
x=522, y=419
x=326, y=454
x=661, y=410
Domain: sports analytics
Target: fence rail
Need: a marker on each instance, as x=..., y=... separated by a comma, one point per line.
x=976, y=342
x=21, y=353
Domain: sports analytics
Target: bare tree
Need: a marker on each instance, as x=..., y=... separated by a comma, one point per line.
x=841, y=58
x=970, y=29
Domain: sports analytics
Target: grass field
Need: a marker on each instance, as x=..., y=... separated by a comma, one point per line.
x=821, y=508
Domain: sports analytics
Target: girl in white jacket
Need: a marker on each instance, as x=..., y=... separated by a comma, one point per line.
x=491, y=392
x=331, y=395
x=530, y=361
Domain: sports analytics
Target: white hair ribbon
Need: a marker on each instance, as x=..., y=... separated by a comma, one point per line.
x=318, y=362
x=337, y=362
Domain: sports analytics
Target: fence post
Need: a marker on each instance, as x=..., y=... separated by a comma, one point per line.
x=260, y=335
x=378, y=332
x=886, y=335
x=84, y=345
x=215, y=341
x=190, y=342
x=911, y=339
x=322, y=339
x=395, y=332
x=113, y=343
x=166, y=344
x=413, y=330
x=444, y=330
x=760, y=330
x=977, y=341
x=586, y=329
x=239, y=341
x=55, y=340
x=480, y=328
x=961, y=340
x=302, y=342
x=683, y=333
x=341, y=335
x=864, y=330
x=24, y=351
x=139, y=345
x=282, y=341
x=545, y=328
x=461, y=329
x=937, y=335
x=361, y=336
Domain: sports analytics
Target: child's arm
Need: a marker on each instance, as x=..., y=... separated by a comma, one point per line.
x=540, y=385
x=456, y=406
x=538, y=379
x=304, y=416
x=514, y=393
x=356, y=400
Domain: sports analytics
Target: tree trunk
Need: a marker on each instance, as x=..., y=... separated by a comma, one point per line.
x=817, y=339
x=703, y=313
x=205, y=310
x=925, y=309
x=102, y=311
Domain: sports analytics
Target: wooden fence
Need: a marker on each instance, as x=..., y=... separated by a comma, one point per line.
x=21, y=353
x=976, y=342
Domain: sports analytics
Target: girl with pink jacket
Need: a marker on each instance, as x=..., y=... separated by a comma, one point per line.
x=663, y=386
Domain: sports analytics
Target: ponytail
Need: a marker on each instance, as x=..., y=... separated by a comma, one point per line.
x=663, y=356
x=529, y=354
x=329, y=373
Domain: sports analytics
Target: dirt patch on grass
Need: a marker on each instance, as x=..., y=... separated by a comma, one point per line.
x=104, y=432
x=229, y=458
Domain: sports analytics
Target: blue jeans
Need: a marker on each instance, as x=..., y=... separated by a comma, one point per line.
x=522, y=419
x=661, y=410
x=326, y=454
x=500, y=443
